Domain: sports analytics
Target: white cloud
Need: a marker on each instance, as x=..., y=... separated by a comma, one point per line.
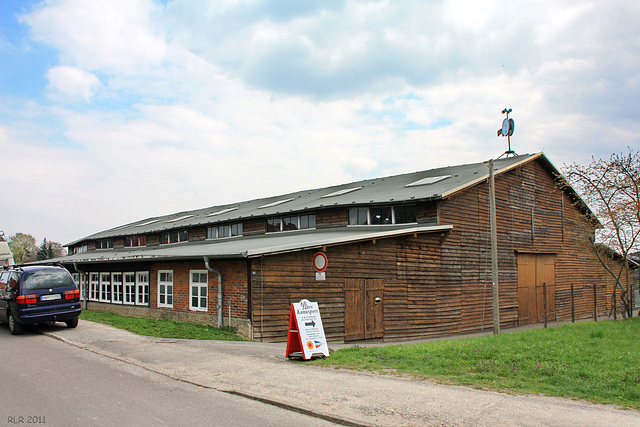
x=112, y=35
x=205, y=102
x=72, y=82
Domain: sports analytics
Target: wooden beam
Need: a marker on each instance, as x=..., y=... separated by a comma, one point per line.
x=444, y=236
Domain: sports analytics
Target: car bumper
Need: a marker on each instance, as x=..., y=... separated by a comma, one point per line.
x=59, y=314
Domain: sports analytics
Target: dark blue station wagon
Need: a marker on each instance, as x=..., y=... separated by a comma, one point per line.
x=37, y=294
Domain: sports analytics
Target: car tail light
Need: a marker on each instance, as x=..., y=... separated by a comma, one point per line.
x=72, y=294
x=27, y=299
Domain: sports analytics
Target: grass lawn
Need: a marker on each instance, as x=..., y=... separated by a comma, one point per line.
x=595, y=361
x=160, y=328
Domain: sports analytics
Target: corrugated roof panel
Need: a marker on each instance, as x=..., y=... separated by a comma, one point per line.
x=386, y=190
x=251, y=246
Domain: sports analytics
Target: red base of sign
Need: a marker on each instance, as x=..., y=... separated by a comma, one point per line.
x=295, y=338
x=294, y=346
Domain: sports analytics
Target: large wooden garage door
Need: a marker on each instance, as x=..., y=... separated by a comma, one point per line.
x=535, y=270
x=363, y=309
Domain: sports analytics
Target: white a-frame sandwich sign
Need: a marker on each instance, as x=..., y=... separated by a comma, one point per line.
x=306, y=334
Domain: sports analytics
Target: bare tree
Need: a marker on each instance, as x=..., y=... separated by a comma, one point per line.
x=58, y=250
x=611, y=189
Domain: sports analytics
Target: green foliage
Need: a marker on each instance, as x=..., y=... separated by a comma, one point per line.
x=23, y=247
x=49, y=249
x=161, y=328
x=599, y=361
x=45, y=251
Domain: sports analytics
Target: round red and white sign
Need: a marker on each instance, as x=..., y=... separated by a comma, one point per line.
x=320, y=261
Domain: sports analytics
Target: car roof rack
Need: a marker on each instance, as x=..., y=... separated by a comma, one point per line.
x=40, y=264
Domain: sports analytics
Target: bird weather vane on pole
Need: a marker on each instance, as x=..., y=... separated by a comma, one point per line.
x=508, y=126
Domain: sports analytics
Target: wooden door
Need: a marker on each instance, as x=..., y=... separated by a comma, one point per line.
x=363, y=309
x=354, y=320
x=534, y=271
x=374, y=290
x=527, y=296
x=545, y=274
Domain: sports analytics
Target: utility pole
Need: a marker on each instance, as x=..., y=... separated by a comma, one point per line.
x=494, y=250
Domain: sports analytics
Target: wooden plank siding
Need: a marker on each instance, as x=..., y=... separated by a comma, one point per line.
x=440, y=284
x=331, y=218
x=277, y=281
x=531, y=217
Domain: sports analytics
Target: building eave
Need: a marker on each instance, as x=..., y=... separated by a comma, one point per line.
x=252, y=246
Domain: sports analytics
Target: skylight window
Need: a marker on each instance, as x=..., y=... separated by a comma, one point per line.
x=223, y=211
x=120, y=228
x=279, y=202
x=428, y=180
x=180, y=218
x=341, y=192
x=148, y=223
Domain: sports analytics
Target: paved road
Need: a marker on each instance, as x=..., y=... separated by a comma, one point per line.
x=48, y=382
x=260, y=371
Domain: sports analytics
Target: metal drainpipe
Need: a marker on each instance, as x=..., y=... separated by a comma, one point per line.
x=84, y=300
x=213, y=270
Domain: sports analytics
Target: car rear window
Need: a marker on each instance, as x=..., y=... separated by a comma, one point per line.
x=45, y=279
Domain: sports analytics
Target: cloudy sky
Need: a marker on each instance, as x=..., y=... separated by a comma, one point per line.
x=112, y=111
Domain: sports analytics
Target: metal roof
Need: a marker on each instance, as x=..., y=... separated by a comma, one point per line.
x=253, y=246
x=410, y=187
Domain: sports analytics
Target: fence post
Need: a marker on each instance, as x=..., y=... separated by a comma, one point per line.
x=595, y=303
x=544, y=292
x=573, y=306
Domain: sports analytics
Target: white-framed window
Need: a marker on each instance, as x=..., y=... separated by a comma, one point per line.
x=226, y=230
x=198, y=291
x=142, y=288
x=165, y=288
x=117, y=288
x=84, y=286
x=133, y=241
x=81, y=283
x=274, y=224
x=175, y=236
x=80, y=249
x=105, y=287
x=289, y=223
x=130, y=288
x=94, y=286
x=379, y=215
x=104, y=244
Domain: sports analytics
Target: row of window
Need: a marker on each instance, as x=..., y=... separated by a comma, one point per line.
x=288, y=223
x=402, y=214
x=222, y=231
x=198, y=289
x=104, y=244
x=135, y=241
x=80, y=249
x=132, y=288
x=175, y=236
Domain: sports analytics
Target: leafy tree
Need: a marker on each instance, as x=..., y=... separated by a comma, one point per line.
x=49, y=249
x=23, y=247
x=45, y=251
x=611, y=188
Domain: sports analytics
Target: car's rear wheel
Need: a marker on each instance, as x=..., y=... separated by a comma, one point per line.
x=72, y=323
x=14, y=327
